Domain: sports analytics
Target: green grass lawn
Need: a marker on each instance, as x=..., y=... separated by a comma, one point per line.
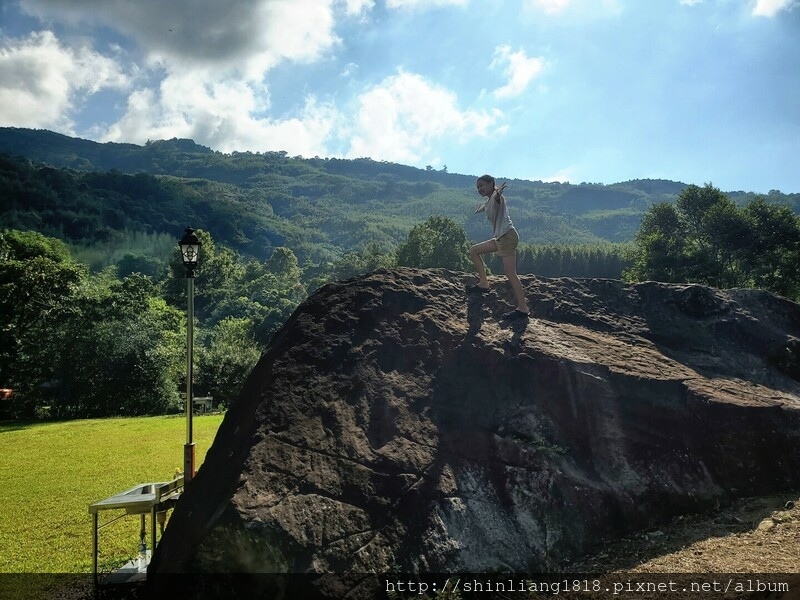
x=51, y=472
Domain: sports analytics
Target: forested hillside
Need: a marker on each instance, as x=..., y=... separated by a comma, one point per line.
x=85, y=192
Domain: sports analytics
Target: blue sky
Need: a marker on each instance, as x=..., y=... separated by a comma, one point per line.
x=597, y=91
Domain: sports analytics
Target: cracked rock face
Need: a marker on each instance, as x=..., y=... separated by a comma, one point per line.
x=396, y=424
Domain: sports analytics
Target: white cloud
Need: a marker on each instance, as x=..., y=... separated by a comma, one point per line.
x=759, y=8
x=424, y=4
x=564, y=175
x=399, y=119
x=519, y=68
x=357, y=7
x=350, y=70
x=769, y=8
x=207, y=63
x=549, y=6
x=245, y=36
x=221, y=115
x=579, y=8
x=42, y=82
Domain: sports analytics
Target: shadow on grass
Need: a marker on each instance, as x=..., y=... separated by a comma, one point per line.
x=6, y=426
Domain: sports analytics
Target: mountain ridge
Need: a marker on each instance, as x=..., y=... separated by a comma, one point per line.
x=43, y=145
x=320, y=208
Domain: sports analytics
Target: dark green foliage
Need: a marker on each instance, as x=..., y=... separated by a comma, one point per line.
x=771, y=251
x=149, y=266
x=37, y=281
x=104, y=207
x=371, y=257
x=707, y=238
x=438, y=242
x=228, y=286
x=226, y=354
x=82, y=345
x=593, y=260
x=120, y=355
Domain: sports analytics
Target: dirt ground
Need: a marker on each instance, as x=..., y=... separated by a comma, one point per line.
x=753, y=545
x=759, y=535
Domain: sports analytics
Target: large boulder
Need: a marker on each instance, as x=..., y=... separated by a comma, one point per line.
x=396, y=424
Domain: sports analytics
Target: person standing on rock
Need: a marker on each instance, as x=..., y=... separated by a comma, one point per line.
x=504, y=242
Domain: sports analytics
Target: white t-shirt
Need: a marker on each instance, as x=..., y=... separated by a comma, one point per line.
x=497, y=213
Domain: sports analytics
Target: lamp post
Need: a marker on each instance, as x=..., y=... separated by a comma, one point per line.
x=190, y=250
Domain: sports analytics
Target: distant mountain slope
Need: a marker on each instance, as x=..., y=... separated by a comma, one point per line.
x=319, y=207
x=185, y=158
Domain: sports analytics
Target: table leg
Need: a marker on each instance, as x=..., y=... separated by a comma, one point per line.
x=94, y=548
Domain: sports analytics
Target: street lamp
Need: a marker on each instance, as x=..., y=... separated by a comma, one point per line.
x=190, y=253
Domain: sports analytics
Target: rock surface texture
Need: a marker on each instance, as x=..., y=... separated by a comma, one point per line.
x=396, y=424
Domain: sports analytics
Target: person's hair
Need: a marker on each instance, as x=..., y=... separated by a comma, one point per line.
x=488, y=179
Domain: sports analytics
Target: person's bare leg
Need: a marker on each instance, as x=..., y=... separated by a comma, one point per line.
x=510, y=267
x=475, y=253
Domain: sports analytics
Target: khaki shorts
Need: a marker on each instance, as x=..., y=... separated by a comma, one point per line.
x=507, y=243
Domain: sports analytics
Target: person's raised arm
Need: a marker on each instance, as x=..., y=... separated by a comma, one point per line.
x=498, y=193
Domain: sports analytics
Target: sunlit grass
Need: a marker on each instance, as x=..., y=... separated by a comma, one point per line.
x=51, y=472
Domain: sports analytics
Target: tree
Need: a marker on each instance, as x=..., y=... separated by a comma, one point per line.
x=438, y=242
x=771, y=250
x=120, y=352
x=225, y=357
x=283, y=264
x=706, y=215
x=351, y=264
x=706, y=238
x=38, y=283
x=659, y=247
x=143, y=265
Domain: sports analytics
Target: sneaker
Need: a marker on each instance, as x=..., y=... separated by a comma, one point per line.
x=516, y=314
